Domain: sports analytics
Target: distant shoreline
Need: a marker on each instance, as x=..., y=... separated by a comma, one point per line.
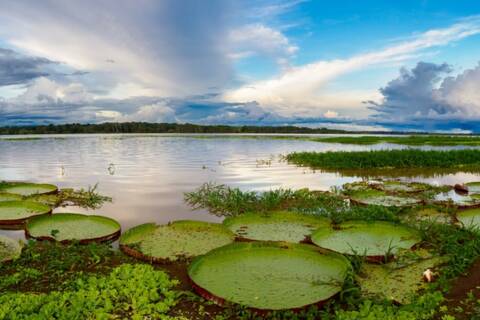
x=145, y=127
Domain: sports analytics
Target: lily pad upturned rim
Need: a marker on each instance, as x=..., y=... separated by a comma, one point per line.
x=370, y=257
x=42, y=208
x=295, y=217
x=295, y=247
x=145, y=229
x=106, y=238
x=16, y=248
x=5, y=186
x=5, y=196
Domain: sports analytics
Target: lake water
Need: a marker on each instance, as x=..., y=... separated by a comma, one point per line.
x=147, y=175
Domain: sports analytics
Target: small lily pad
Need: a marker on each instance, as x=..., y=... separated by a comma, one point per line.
x=269, y=275
x=27, y=189
x=9, y=249
x=16, y=212
x=372, y=239
x=178, y=240
x=66, y=227
x=275, y=226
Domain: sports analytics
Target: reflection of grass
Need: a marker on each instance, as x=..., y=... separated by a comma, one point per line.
x=389, y=159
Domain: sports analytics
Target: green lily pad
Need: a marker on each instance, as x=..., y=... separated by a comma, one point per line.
x=433, y=215
x=269, y=275
x=275, y=226
x=372, y=239
x=470, y=218
x=4, y=196
x=381, y=198
x=458, y=200
x=405, y=187
x=473, y=187
x=27, y=189
x=395, y=283
x=16, y=212
x=174, y=241
x=65, y=227
x=9, y=249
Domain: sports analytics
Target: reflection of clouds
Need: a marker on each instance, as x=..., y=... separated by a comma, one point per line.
x=151, y=173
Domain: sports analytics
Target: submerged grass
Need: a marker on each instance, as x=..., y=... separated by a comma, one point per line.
x=402, y=159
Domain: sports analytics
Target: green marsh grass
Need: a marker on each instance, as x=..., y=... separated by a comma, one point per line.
x=386, y=159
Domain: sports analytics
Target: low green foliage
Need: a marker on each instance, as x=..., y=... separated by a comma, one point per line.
x=409, y=158
x=128, y=292
x=413, y=140
x=225, y=201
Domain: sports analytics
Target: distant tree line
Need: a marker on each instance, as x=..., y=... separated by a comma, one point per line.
x=145, y=127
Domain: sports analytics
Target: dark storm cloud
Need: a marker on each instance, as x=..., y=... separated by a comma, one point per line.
x=19, y=69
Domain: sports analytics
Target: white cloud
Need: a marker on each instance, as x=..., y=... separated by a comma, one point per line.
x=158, y=112
x=299, y=89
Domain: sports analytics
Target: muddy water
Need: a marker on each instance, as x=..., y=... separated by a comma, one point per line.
x=148, y=175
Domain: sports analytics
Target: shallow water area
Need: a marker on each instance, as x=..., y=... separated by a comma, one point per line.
x=147, y=175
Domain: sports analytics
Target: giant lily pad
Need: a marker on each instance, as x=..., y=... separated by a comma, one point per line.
x=381, y=198
x=458, y=200
x=16, y=212
x=4, y=196
x=473, y=187
x=470, y=218
x=9, y=249
x=66, y=227
x=428, y=214
x=268, y=275
x=27, y=189
x=404, y=187
x=372, y=239
x=174, y=241
x=275, y=226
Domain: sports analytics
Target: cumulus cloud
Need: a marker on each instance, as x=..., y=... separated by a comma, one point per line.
x=258, y=39
x=16, y=68
x=302, y=86
x=427, y=98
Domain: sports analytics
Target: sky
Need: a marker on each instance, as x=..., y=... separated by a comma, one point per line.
x=355, y=65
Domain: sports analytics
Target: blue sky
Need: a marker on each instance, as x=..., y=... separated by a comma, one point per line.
x=370, y=65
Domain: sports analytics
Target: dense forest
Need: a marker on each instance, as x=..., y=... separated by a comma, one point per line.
x=145, y=127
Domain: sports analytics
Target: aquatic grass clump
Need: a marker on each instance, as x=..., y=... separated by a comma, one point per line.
x=382, y=159
x=269, y=275
x=175, y=241
x=127, y=292
x=67, y=227
x=411, y=140
x=226, y=201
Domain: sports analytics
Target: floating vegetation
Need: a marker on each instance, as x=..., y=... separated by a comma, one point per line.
x=412, y=140
x=399, y=283
x=470, y=218
x=178, y=240
x=16, y=212
x=225, y=201
x=67, y=227
x=381, y=198
x=275, y=226
x=429, y=214
x=376, y=240
x=4, y=196
x=268, y=275
x=389, y=159
x=26, y=188
x=9, y=249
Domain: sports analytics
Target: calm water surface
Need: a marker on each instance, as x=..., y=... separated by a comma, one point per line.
x=147, y=175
